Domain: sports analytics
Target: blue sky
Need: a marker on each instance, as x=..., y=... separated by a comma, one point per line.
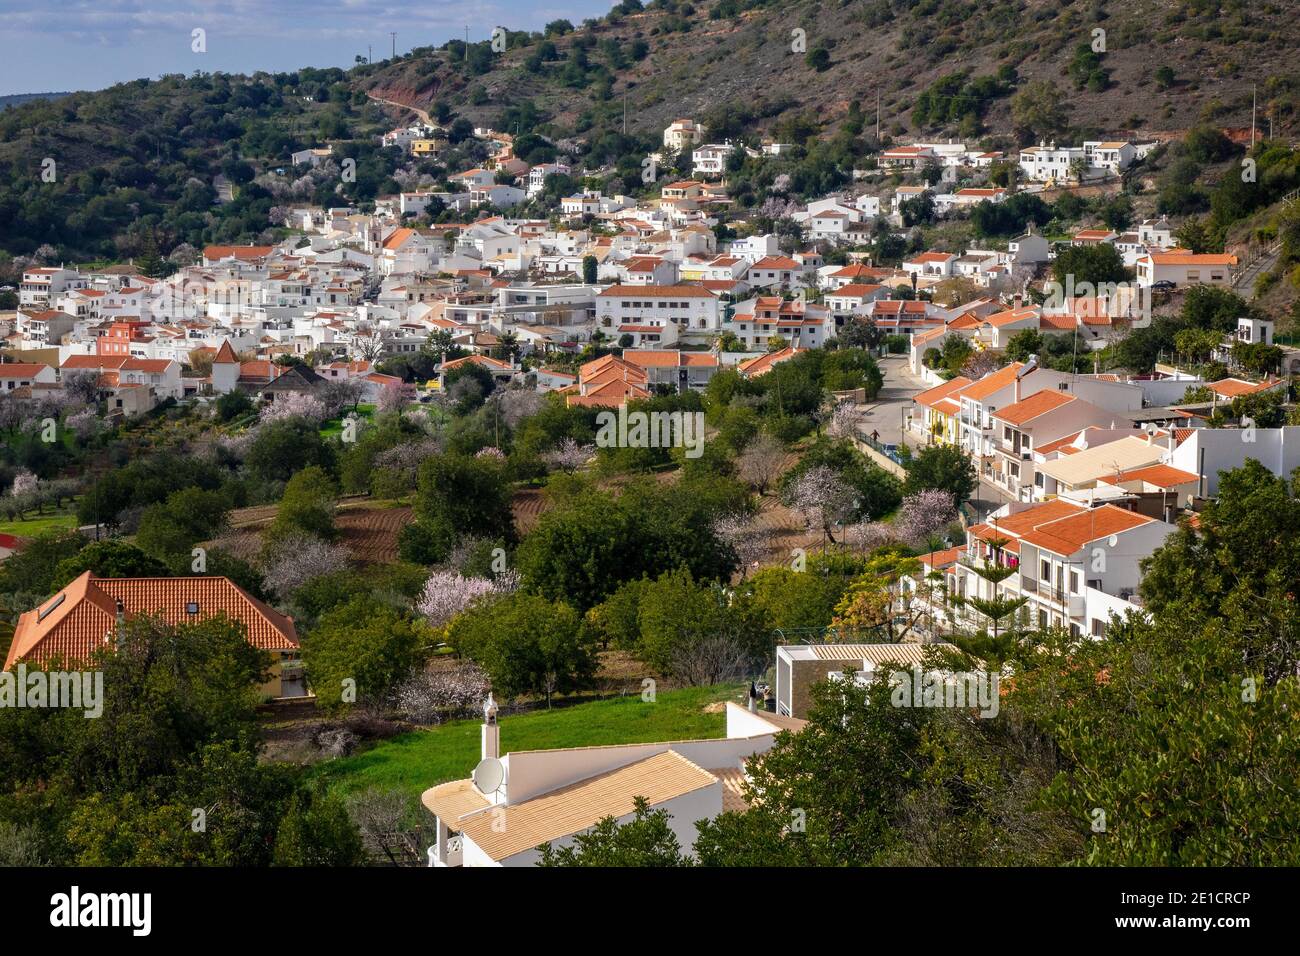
x=82, y=45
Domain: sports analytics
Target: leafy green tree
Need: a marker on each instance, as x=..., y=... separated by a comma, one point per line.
x=108, y=559
x=307, y=507
x=35, y=569
x=463, y=496
x=365, y=642
x=645, y=840
x=283, y=447
x=1098, y=264
x=945, y=467
x=527, y=645
x=316, y=831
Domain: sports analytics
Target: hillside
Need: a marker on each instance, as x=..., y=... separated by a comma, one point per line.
x=133, y=165
x=739, y=56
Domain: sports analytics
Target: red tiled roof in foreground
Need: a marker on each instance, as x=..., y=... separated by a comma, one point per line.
x=77, y=621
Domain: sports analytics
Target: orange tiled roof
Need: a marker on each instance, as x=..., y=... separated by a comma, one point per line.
x=1026, y=410
x=992, y=382
x=77, y=621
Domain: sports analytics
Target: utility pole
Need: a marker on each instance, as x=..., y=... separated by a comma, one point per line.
x=877, y=117
x=625, y=112
x=394, y=36
x=1252, y=116
x=370, y=53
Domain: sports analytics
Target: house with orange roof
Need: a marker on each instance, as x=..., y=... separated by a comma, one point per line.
x=1183, y=268
x=692, y=309
x=1075, y=565
x=608, y=382
x=675, y=368
x=753, y=368
x=250, y=255
x=1040, y=419
x=87, y=615
x=930, y=265
x=936, y=412
x=776, y=271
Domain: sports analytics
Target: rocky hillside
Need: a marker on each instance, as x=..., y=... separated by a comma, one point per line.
x=1163, y=66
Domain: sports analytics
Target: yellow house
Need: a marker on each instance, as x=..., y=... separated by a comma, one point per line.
x=427, y=147
x=939, y=410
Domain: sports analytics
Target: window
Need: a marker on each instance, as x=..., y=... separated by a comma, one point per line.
x=1045, y=570
x=1074, y=582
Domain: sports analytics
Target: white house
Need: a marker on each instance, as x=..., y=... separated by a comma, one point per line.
x=690, y=308
x=513, y=803
x=711, y=160
x=683, y=134
x=1186, y=268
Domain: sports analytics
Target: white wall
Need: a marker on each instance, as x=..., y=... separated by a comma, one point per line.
x=1277, y=449
x=531, y=773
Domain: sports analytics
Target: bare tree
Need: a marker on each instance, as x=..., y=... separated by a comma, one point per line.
x=759, y=464
x=393, y=830
x=710, y=659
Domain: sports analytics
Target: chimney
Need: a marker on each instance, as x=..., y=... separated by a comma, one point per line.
x=120, y=629
x=491, y=730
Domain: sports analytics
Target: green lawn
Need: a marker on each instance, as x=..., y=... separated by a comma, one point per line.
x=334, y=427
x=35, y=523
x=416, y=761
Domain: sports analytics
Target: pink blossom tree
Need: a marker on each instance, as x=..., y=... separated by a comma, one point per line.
x=448, y=593
x=295, y=559
x=924, y=515
x=294, y=405
x=822, y=498
x=568, y=455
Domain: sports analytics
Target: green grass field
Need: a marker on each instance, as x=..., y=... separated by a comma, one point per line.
x=416, y=761
x=35, y=523
x=334, y=427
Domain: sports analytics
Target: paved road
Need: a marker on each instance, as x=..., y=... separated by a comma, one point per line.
x=886, y=413
x=886, y=416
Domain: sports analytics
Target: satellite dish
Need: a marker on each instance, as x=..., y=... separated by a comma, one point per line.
x=1113, y=540
x=489, y=775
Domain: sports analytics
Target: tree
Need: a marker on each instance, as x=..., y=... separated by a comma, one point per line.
x=589, y=274
x=461, y=495
x=1096, y=265
x=448, y=593
x=526, y=644
x=307, y=507
x=108, y=559
x=317, y=831
x=645, y=840
x=759, y=463
x=1038, y=111
x=943, y=467
x=860, y=333
x=283, y=447
x=362, y=650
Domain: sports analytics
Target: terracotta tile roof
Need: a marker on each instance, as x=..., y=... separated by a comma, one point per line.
x=733, y=788
x=1162, y=476
x=992, y=382
x=78, y=620
x=519, y=827
x=764, y=363
x=652, y=358
x=451, y=801
x=236, y=252
x=1067, y=536
x=660, y=291
x=1233, y=387
x=20, y=369
x=1026, y=410
x=932, y=396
